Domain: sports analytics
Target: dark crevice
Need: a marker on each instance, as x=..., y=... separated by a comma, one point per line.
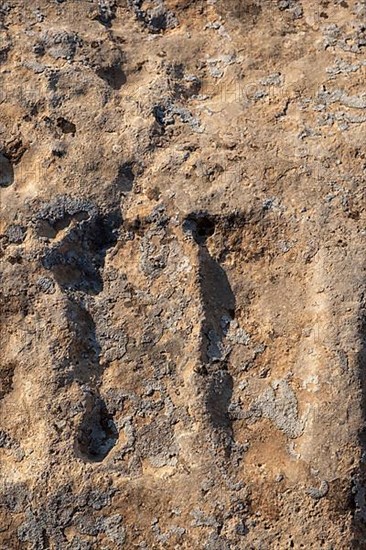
x=200, y=226
x=217, y=296
x=45, y=539
x=97, y=433
x=6, y=379
x=218, y=303
x=219, y=309
x=66, y=126
x=6, y=171
x=219, y=306
x=77, y=261
x=219, y=391
x=114, y=76
x=358, y=489
x=84, y=349
x=125, y=177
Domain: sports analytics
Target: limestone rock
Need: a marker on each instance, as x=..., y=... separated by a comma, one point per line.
x=182, y=248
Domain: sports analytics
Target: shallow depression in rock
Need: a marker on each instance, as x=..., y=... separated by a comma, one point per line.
x=6, y=171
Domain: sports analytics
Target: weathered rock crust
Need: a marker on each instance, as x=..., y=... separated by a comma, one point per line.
x=182, y=274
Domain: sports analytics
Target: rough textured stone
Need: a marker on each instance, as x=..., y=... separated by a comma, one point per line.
x=182, y=237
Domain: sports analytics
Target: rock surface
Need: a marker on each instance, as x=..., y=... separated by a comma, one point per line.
x=183, y=326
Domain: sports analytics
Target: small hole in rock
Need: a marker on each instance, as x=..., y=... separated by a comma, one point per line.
x=113, y=76
x=66, y=126
x=97, y=434
x=205, y=227
x=201, y=226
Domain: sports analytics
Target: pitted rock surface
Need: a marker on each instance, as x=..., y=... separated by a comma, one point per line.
x=182, y=247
